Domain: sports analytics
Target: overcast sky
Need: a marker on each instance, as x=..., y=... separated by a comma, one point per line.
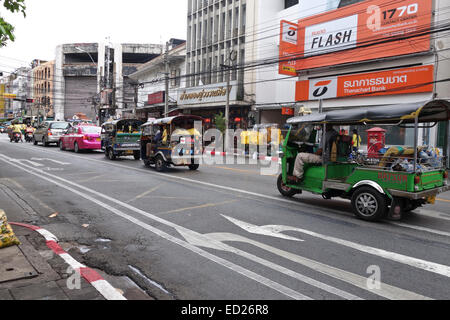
x=53, y=22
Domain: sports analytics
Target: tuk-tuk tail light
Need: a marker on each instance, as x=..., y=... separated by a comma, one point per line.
x=417, y=179
x=445, y=174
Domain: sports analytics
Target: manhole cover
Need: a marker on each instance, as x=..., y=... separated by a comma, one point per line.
x=14, y=265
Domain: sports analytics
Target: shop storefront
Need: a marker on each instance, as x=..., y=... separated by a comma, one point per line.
x=210, y=101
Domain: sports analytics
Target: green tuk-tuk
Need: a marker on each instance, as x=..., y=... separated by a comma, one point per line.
x=121, y=138
x=173, y=141
x=397, y=180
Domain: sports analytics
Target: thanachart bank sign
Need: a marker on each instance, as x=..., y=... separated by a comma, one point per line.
x=207, y=94
x=389, y=82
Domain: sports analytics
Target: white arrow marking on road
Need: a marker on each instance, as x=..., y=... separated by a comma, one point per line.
x=385, y=290
x=271, y=231
x=214, y=241
x=52, y=160
x=414, y=262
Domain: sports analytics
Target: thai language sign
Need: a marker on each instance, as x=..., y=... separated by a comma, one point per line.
x=397, y=81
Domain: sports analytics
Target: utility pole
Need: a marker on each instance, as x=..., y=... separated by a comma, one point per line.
x=166, y=63
x=232, y=57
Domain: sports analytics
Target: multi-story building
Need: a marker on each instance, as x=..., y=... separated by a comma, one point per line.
x=349, y=54
x=90, y=78
x=217, y=35
x=43, y=90
x=20, y=87
x=151, y=77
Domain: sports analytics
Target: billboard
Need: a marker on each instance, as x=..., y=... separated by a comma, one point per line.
x=363, y=31
x=397, y=81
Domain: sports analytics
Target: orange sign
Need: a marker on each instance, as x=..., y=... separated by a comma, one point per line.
x=397, y=81
x=363, y=31
x=288, y=48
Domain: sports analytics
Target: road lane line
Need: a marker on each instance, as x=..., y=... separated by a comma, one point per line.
x=208, y=205
x=225, y=263
x=397, y=257
x=418, y=263
x=235, y=190
x=444, y=200
x=144, y=194
x=385, y=290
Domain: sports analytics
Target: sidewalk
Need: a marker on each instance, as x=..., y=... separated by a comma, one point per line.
x=31, y=271
x=40, y=269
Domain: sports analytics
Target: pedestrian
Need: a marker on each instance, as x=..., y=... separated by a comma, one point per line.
x=356, y=142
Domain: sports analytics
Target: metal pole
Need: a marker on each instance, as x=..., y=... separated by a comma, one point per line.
x=166, y=62
x=416, y=142
x=446, y=144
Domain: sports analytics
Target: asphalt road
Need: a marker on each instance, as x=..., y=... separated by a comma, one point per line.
x=224, y=232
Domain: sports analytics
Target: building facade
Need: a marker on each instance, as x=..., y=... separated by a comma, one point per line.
x=43, y=90
x=350, y=54
x=151, y=92
x=90, y=78
x=217, y=35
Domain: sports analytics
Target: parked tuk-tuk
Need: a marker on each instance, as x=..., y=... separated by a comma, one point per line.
x=172, y=141
x=121, y=138
x=397, y=180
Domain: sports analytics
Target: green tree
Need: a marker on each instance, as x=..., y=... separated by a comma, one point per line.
x=219, y=120
x=6, y=29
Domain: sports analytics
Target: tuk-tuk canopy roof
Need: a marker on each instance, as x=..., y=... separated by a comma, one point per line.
x=171, y=119
x=116, y=122
x=432, y=111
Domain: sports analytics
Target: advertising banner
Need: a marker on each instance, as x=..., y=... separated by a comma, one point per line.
x=398, y=81
x=363, y=31
x=288, y=48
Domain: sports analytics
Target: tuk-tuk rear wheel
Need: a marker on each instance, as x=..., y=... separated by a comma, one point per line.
x=285, y=190
x=160, y=164
x=368, y=204
x=194, y=167
x=137, y=155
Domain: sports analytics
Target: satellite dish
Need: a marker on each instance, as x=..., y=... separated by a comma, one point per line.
x=233, y=55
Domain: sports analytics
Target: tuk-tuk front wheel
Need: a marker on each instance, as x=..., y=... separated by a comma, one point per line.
x=111, y=155
x=160, y=164
x=284, y=189
x=368, y=204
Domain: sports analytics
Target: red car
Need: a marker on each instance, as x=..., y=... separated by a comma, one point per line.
x=85, y=137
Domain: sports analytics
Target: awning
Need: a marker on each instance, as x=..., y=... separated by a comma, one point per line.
x=431, y=111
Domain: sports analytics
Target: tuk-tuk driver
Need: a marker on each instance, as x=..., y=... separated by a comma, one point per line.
x=303, y=158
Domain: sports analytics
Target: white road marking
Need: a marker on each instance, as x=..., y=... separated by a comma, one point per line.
x=52, y=160
x=278, y=199
x=433, y=214
x=258, y=195
x=215, y=238
x=220, y=246
x=413, y=262
x=385, y=290
x=225, y=263
x=410, y=226
x=28, y=161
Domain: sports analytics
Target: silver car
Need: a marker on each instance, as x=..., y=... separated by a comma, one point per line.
x=50, y=132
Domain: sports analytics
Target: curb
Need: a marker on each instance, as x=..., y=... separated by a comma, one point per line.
x=261, y=158
x=90, y=275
